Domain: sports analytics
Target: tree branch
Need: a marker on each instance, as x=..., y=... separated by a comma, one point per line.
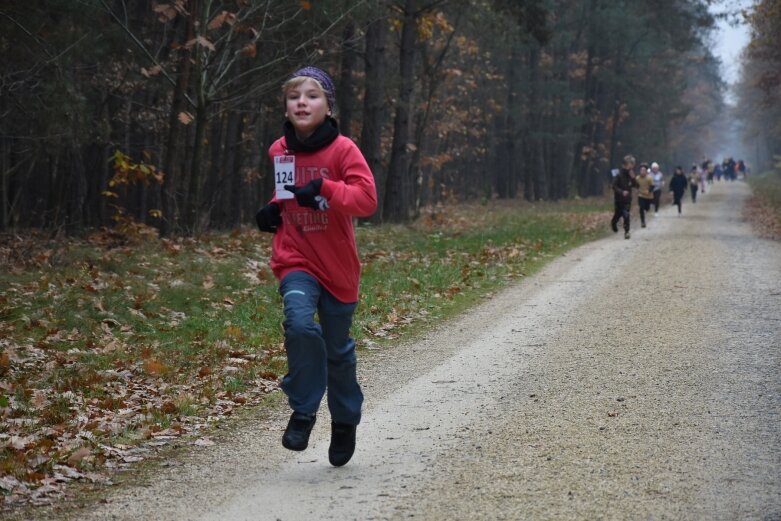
x=146, y=52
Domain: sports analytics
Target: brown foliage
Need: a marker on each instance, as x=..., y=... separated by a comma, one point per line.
x=763, y=217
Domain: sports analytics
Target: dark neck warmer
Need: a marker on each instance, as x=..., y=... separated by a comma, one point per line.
x=320, y=138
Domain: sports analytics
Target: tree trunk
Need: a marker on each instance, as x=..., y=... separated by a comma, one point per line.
x=432, y=78
x=345, y=95
x=78, y=193
x=5, y=168
x=374, y=104
x=506, y=167
x=614, y=128
x=559, y=143
x=231, y=169
x=399, y=183
x=53, y=212
x=194, y=213
x=169, y=198
x=216, y=182
x=536, y=146
x=585, y=161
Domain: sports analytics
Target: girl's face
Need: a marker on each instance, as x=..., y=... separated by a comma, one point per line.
x=306, y=107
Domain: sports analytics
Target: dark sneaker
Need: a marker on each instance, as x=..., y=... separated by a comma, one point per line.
x=642, y=225
x=626, y=235
x=342, y=443
x=299, y=427
x=614, y=226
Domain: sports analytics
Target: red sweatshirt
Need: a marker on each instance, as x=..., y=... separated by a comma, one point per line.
x=322, y=243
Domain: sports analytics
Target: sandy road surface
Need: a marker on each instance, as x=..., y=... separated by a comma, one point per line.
x=635, y=379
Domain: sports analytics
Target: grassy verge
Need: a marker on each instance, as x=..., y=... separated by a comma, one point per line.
x=109, y=351
x=763, y=209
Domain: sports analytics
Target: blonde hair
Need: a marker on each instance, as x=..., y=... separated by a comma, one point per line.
x=296, y=82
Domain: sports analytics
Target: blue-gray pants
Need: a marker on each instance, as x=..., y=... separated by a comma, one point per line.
x=319, y=356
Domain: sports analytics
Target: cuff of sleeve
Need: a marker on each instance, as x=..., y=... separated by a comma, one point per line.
x=327, y=188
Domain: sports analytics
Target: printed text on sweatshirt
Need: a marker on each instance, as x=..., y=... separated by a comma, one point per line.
x=322, y=243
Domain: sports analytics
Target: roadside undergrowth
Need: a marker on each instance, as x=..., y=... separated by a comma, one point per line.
x=763, y=209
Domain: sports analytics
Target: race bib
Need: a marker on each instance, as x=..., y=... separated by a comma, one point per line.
x=284, y=174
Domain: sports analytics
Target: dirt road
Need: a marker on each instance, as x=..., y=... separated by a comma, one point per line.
x=630, y=379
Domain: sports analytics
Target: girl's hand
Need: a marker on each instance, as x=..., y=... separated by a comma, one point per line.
x=309, y=195
x=269, y=218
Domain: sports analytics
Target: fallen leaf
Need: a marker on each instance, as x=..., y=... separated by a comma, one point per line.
x=152, y=71
x=233, y=331
x=20, y=442
x=78, y=455
x=200, y=40
x=166, y=11
x=204, y=442
x=169, y=407
x=221, y=19
x=152, y=366
x=250, y=50
x=171, y=246
x=113, y=345
x=39, y=400
x=9, y=483
x=132, y=459
x=65, y=473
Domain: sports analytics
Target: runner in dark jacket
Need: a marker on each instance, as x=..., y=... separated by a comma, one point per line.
x=678, y=187
x=622, y=194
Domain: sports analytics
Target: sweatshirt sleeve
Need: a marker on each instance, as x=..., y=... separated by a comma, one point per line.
x=354, y=193
x=616, y=189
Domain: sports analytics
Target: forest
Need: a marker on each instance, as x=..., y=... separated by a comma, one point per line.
x=155, y=116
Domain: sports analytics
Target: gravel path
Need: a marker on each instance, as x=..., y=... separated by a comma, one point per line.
x=633, y=379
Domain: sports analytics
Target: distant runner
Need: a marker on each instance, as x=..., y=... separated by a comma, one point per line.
x=658, y=178
x=622, y=194
x=678, y=187
x=645, y=194
x=694, y=182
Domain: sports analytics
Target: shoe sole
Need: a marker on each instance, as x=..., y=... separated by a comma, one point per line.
x=340, y=458
x=341, y=461
x=298, y=448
